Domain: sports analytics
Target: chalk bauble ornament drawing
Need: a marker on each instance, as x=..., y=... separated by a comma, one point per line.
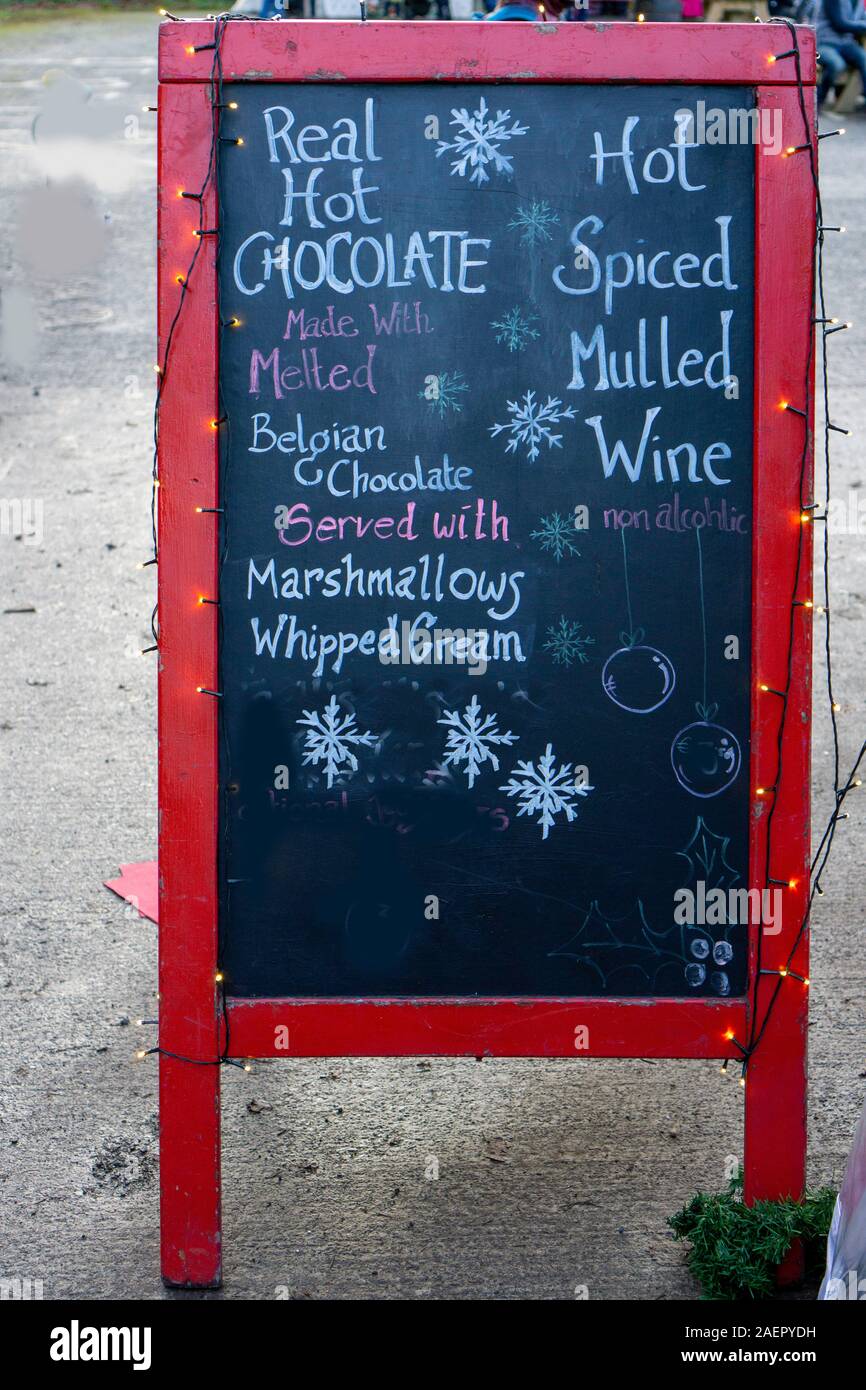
x=705, y=756
x=637, y=677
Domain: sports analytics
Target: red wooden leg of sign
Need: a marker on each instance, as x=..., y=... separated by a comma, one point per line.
x=188, y=670
x=189, y=1127
x=775, y=1123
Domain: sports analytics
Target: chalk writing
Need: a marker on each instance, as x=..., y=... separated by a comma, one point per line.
x=485, y=537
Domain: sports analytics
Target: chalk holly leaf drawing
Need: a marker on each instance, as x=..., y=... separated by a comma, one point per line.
x=472, y=736
x=531, y=424
x=545, y=790
x=706, y=855
x=477, y=143
x=599, y=932
x=627, y=941
x=330, y=739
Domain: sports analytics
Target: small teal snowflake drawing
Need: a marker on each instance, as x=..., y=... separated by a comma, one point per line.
x=567, y=642
x=556, y=533
x=442, y=392
x=534, y=222
x=515, y=329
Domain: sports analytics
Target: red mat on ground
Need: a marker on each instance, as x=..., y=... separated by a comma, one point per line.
x=138, y=885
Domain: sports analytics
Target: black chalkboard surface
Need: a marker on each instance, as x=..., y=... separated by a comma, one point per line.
x=491, y=382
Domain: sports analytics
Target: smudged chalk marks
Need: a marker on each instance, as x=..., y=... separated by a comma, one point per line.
x=478, y=141
x=534, y=221
x=567, y=642
x=515, y=329
x=546, y=790
x=557, y=534
x=442, y=391
x=330, y=739
x=531, y=423
x=471, y=739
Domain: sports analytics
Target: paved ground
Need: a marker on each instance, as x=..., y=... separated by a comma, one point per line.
x=553, y=1174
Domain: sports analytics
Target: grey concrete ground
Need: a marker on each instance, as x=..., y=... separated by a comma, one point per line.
x=552, y=1174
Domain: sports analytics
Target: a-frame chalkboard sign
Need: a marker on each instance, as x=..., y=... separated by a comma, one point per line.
x=484, y=558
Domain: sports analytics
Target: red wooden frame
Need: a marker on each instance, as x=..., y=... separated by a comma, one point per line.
x=775, y=1134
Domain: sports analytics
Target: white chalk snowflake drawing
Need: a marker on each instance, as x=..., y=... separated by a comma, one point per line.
x=531, y=422
x=567, y=642
x=330, y=738
x=442, y=392
x=478, y=140
x=534, y=221
x=515, y=329
x=546, y=790
x=472, y=736
x=557, y=534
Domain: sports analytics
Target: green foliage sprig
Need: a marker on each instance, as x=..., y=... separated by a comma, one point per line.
x=735, y=1249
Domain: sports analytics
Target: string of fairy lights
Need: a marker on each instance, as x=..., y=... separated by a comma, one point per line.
x=810, y=515
x=201, y=233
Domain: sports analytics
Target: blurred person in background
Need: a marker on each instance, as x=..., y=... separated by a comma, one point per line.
x=514, y=9
x=525, y=10
x=839, y=26
x=662, y=11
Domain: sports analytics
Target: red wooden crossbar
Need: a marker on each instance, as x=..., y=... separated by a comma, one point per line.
x=486, y=1027
x=775, y=1134
x=420, y=52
